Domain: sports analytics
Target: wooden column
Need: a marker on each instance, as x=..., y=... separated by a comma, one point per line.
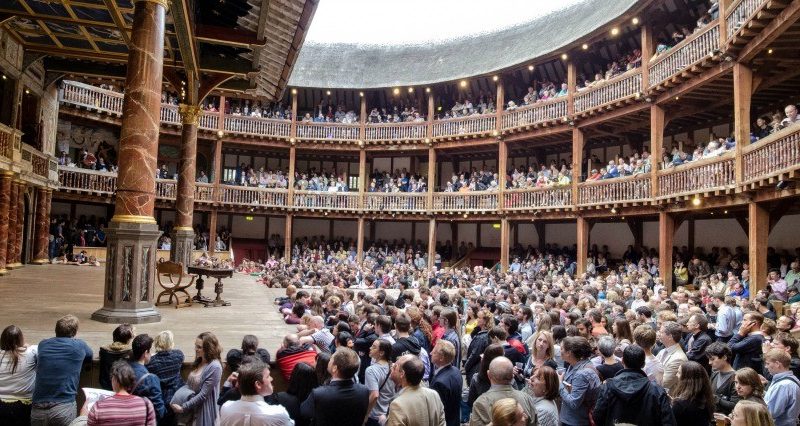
x=583, y=244
x=502, y=170
x=218, y=162
x=363, y=181
x=360, y=242
x=362, y=121
x=23, y=187
x=6, y=178
x=657, y=124
x=431, y=112
x=431, y=242
x=572, y=87
x=666, y=236
x=11, y=236
x=758, y=237
x=293, y=126
x=290, y=178
x=183, y=232
x=505, y=234
x=41, y=242
x=431, y=176
x=500, y=106
x=648, y=49
x=742, y=92
x=578, y=143
x=724, y=6
x=212, y=232
x=287, y=239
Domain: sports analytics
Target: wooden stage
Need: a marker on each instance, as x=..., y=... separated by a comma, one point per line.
x=34, y=297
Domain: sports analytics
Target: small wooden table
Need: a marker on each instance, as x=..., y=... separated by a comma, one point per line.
x=219, y=274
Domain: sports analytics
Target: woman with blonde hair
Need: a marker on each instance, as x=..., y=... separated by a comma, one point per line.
x=748, y=413
x=542, y=352
x=166, y=364
x=508, y=412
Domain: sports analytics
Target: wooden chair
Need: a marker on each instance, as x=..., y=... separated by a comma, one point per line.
x=171, y=278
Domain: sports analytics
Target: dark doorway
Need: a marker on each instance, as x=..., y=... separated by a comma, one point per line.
x=29, y=116
x=7, y=85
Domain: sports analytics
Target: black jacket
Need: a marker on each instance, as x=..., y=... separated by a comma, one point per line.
x=697, y=352
x=725, y=396
x=361, y=345
x=341, y=403
x=630, y=397
x=478, y=344
x=448, y=383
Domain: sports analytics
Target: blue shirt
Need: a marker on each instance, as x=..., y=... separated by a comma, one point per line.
x=59, y=368
x=783, y=399
x=149, y=387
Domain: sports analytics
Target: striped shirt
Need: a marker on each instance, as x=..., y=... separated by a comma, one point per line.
x=122, y=410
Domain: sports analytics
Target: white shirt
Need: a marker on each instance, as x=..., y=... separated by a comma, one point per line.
x=251, y=410
x=20, y=384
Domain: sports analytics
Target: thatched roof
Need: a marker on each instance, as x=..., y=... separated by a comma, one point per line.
x=370, y=66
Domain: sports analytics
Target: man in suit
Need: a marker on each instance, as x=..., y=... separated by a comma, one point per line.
x=343, y=402
x=447, y=381
x=414, y=405
x=697, y=340
x=501, y=374
x=672, y=356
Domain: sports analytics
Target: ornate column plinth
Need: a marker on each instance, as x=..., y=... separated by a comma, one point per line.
x=182, y=246
x=41, y=241
x=130, y=274
x=132, y=233
x=5, y=201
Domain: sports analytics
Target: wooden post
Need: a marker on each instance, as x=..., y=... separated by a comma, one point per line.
x=290, y=178
x=572, y=87
x=758, y=237
x=360, y=242
x=293, y=126
x=504, y=243
x=218, y=161
x=578, y=141
x=500, y=106
x=666, y=235
x=648, y=49
x=656, y=145
x=431, y=176
x=362, y=121
x=502, y=172
x=724, y=6
x=742, y=92
x=583, y=244
x=212, y=232
x=363, y=181
x=287, y=239
x=431, y=112
x=431, y=243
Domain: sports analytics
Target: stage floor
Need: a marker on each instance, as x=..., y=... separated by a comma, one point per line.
x=34, y=297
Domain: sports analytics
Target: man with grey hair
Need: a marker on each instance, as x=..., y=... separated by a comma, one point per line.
x=672, y=356
x=317, y=334
x=501, y=374
x=791, y=116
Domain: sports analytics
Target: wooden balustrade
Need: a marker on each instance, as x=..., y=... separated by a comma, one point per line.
x=473, y=124
x=349, y=201
x=39, y=162
x=685, y=54
x=204, y=192
x=257, y=126
x=739, y=13
x=699, y=176
x=166, y=189
x=537, y=198
x=772, y=156
x=253, y=196
x=323, y=131
x=75, y=179
x=89, y=96
x=614, y=191
x=395, y=202
x=396, y=131
x=6, y=141
x=479, y=201
x=541, y=112
x=607, y=92
x=209, y=121
x=169, y=114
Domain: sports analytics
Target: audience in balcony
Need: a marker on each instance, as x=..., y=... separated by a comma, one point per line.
x=395, y=114
x=247, y=108
x=322, y=182
x=715, y=147
x=246, y=175
x=624, y=62
x=546, y=177
x=399, y=181
x=635, y=165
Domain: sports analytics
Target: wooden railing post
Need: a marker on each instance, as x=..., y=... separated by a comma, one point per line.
x=293, y=128
x=742, y=93
x=362, y=176
x=505, y=246
x=431, y=176
x=724, y=6
x=360, y=241
x=648, y=49
x=572, y=84
x=431, y=243
x=582, y=244
x=290, y=178
x=431, y=112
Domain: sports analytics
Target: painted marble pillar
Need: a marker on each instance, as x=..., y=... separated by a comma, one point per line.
x=5, y=201
x=11, y=234
x=133, y=233
x=183, y=233
x=41, y=240
x=23, y=187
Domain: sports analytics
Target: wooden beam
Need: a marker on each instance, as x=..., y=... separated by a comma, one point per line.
x=657, y=123
x=578, y=144
x=583, y=244
x=55, y=18
x=228, y=36
x=431, y=242
x=119, y=22
x=505, y=235
x=770, y=33
x=742, y=94
x=758, y=238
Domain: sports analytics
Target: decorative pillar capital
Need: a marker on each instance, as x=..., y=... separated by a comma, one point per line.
x=164, y=3
x=190, y=114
